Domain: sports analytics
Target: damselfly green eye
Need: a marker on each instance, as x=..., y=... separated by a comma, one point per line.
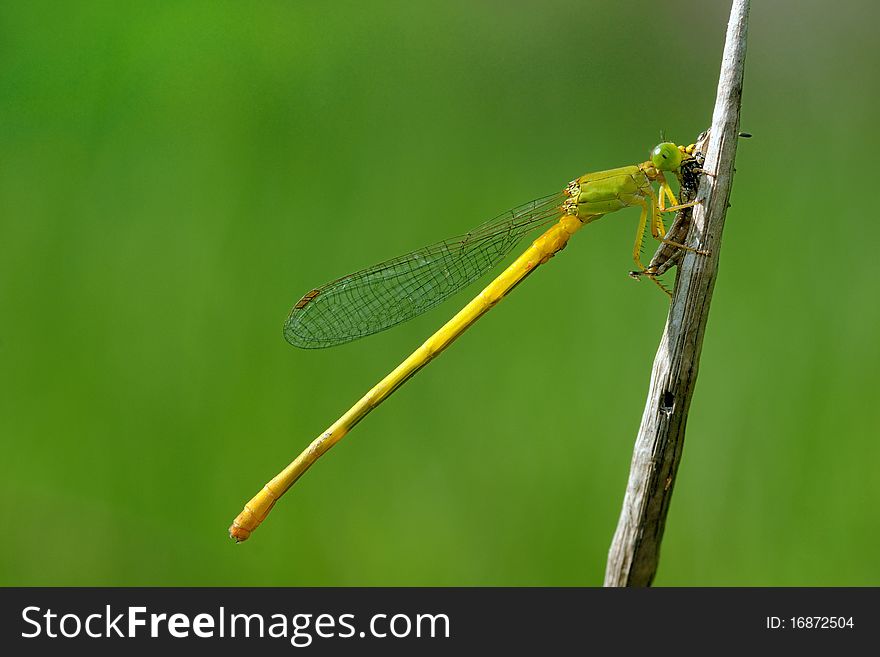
x=666, y=156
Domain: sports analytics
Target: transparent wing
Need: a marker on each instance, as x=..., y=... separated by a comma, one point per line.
x=397, y=290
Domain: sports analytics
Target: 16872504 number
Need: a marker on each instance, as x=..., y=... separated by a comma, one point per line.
x=810, y=622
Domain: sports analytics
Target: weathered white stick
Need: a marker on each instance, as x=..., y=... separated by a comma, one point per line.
x=635, y=549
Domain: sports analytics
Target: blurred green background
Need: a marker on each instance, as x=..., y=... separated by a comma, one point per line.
x=174, y=176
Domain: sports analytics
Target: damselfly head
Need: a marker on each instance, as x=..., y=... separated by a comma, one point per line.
x=666, y=156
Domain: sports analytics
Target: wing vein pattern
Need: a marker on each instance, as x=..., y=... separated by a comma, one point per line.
x=394, y=291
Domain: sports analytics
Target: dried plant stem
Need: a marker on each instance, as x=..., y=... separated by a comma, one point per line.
x=635, y=549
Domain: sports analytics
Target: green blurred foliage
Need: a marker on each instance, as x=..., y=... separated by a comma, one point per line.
x=173, y=176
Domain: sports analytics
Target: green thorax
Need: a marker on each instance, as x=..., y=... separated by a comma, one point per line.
x=595, y=194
